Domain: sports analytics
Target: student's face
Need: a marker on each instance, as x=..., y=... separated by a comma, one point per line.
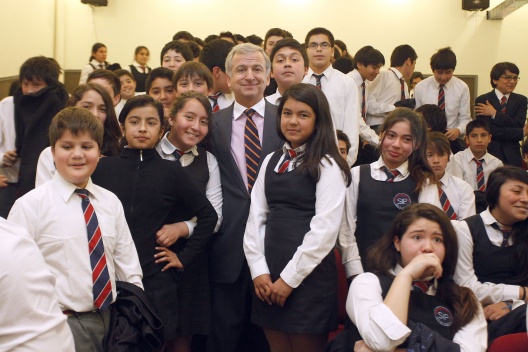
x=33, y=86
x=142, y=128
x=108, y=87
x=142, y=57
x=397, y=144
x=190, y=125
x=512, y=206
x=172, y=60
x=342, y=148
x=288, y=67
x=437, y=162
x=443, y=76
x=195, y=83
x=423, y=236
x=478, y=140
x=270, y=43
x=248, y=78
x=128, y=87
x=161, y=89
x=297, y=122
x=368, y=72
x=506, y=82
x=415, y=81
x=76, y=157
x=319, y=57
x=100, y=54
x=93, y=102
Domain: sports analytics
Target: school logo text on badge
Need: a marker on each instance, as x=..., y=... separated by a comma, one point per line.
x=401, y=201
x=443, y=316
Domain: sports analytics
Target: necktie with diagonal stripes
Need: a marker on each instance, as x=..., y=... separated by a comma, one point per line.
x=252, y=148
x=503, y=102
x=441, y=97
x=481, y=183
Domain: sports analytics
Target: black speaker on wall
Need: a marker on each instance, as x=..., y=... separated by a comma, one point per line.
x=95, y=2
x=474, y=5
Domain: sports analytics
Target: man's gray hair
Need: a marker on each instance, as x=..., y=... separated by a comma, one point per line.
x=246, y=48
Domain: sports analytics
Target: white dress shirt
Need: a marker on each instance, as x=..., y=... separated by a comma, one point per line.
x=347, y=239
x=381, y=330
x=463, y=166
x=7, y=137
x=460, y=195
x=317, y=243
x=275, y=98
x=53, y=216
x=383, y=92
x=456, y=95
x=213, y=190
x=486, y=292
x=341, y=93
x=30, y=318
x=45, y=167
x=224, y=100
x=89, y=69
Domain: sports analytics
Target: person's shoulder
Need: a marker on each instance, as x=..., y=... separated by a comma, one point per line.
x=459, y=184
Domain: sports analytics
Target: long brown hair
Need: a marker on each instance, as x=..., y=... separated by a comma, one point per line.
x=383, y=257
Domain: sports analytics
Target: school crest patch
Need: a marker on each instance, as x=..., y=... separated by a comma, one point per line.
x=443, y=316
x=401, y=201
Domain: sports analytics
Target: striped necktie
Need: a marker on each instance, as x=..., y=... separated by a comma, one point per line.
x=391, y=174
x=503, y=102
x=446, y=204
x=422, y=286
x=441, y=97
x=290, y=155
x=402, y=84
x=318, y=79
x=363, y=103
x=505, y=234
x=102, y=286
x=252, y=148
x=214, y=98
x=177, y=154
x=481, y=182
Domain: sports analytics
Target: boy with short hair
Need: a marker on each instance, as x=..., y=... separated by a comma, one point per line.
x=434, y=117
x=456, y=195
x=111, y=83
x=450, y=93
x=159, y=86
x=289, y=65
x=343, y=143
x=174, y=54
x=80, y=229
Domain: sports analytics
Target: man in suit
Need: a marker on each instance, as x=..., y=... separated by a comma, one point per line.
x=505, y=111
x=248, y=73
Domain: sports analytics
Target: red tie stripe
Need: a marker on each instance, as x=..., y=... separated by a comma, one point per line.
x=214, y=98
x=252, y=148
x=503, y=102
x=290, y=155
x=481, y=182
x=505, y=234
x=441, y=97
x=102, y=286
x=391, y=174
x=422, y=286
x=446, y=204
x=363, y=102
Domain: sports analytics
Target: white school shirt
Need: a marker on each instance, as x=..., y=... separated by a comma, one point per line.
x=89, y=69
x=45, y=167
x=346, y=241
x=53, y=216
x=224, y=100
x=317, y=243
x=341, y=93
x=30, y=318
x=381, y=330
x=462, y=166
x=486, y=292
x=456, y=95
x=460, y=195
x=275, y=98
x=383, y=92
x=213, y=190
x=8, y=137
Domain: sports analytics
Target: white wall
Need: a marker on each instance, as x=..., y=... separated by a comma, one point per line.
x=425, y=24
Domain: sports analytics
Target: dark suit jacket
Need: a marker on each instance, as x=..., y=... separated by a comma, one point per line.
x=226, y=252
x=506, y=129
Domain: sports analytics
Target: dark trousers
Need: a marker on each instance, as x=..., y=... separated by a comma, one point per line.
x=232, y=330
x=7, y=198
x=89, y=330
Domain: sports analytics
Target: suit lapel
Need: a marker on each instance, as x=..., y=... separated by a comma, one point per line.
x=270, y=140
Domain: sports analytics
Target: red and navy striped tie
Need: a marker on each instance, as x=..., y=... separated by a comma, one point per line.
x=422, y=286
x=503, y=102
x=290, y=154
x=391, y=174
x=252, y=148
x=363, y=102
x=402, y=83
x=214, y=98
x=102, y=286
x=481, y=183
x=318, y=79
x=446, y=204
x=441, y=97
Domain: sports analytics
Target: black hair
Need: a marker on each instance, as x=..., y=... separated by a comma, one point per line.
x=180, y=102
x=255, y=39
x=321, y=144
x=227, y=34
x=123, y=72
x=214, y=54
x=416, y=74
x=210, y=38
x=477, y=123
x=443, y=59
x=500, y=69
x=139, y=102
x=344, y=64
x=434, y=117
x=42, y=68
x=195, y=48
x=108, y=76
x=240, y=38
x=179, y=47
x=341, y=44
x=199, y=41
x=367, y=55
x=139, y=48
x=190, y=69
x=183, y=35
x=438, y=143
x=159, y=72
x=292, y=44
x=342, y=136
x=96, y=47
x=274, y=32
x=319, y=30
x=401, y=53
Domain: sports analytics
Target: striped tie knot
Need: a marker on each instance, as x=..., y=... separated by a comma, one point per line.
x=318, y=79
x=503, y=102
x=81, y=192
x=288, y=156
x=391, y=174
x=446, y=204
x=177, y=154
x=481, y=182
x=441, y=97
x=214, y=98
x=505, y=233
x=422, y=286
x=252, y=148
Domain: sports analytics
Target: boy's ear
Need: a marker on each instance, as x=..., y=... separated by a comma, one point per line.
x=117, y=99
x=216, y=72
x=490, y=135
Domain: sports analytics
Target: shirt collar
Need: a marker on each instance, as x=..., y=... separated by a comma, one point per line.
x=327, y=73
x=356, y=76
x=499, y=94
x=403, y=168
x=97, y=63
x=297, y=150
x=437, y=85
x=398, y=73
x=259, y=107
x=469, y=155
x=274, y=98
x=168, y=148
x=67, y=189
x=445, y=179
x=487, y=218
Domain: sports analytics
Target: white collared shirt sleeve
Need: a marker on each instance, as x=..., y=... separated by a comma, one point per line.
x=486, y=292
x=256, y=225
x=380, y=328
x=464, y=114
x=473, y=336
x=213, y=190
x=461, y=196
x=381, y=91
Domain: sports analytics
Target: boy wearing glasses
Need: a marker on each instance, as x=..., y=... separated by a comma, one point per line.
x=340, y=90
x=505, y=112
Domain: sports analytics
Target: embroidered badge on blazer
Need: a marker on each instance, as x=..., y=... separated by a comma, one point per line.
x=401, y=201
x=443, y=316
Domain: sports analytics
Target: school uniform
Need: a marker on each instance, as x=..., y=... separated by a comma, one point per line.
x=152, y=198
x=370, y=206
x=7, y=143
x=290, y=234
x=140, y=74
x=383, y=92
x=383, y=331
x=223, y=100
x=463, y=166
x=92, y=66
x=274, y=98
x=460, y=195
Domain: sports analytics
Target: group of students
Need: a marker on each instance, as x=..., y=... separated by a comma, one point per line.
x=224, y=205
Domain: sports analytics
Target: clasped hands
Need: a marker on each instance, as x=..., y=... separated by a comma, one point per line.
x=272, y=292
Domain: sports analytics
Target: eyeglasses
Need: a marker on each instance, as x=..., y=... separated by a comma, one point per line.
x=323, y=45
x=511, y=78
